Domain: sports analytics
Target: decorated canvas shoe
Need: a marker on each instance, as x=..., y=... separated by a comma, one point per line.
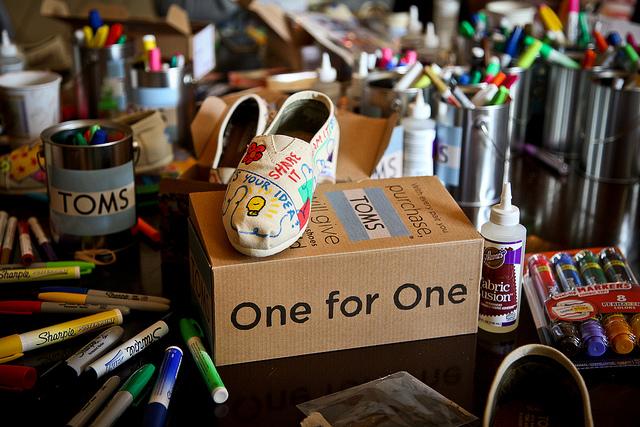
x=149, y=133
x=268, y=199
x=243, y=120
x=20, y=171
x=538, y=385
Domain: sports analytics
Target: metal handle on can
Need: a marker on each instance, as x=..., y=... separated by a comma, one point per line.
x=40, y=157
x=136, y=151
x=481, y=125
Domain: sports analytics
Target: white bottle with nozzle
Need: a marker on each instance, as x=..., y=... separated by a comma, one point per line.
x=11, y=59
x=326, y=82
x=358, y=81
x=502, y=262
x=419, y=135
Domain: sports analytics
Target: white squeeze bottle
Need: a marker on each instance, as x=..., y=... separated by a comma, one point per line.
x=502, y=262
x=419, y=135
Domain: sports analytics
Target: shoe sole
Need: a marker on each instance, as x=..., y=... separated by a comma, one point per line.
x=261, y=253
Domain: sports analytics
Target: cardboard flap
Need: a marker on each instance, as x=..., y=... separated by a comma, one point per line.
x=109, y=12
x=274, y=17
x=203, y=126
x=178, y=18
x=56, y=8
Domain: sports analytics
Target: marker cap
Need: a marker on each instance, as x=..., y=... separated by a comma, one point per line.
x=138, y=380
x=17, y=378
x=155, y=415
x=614, y=39
x=596, y=346
x=623, y=344
x=466, y=29
x=220, y=394
x=10, y=348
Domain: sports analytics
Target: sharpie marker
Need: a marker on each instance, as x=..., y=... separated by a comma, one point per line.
x=4, y=217
x=14, y=275
x=192, y=335
x=74, y=298
x=9, y=238
x=33, y=307
x=95, y=403
x=155, y=414
x=42, y=239
x=66, y=371
x=85, y=267
x=14, y=346
x=107, y=294
x=26, y=250
x=127, y=394
x=126, y=350
x=17, y=378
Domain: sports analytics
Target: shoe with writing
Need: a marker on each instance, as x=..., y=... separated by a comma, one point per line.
x=537, y=385
x=245, y=118
x=20, y=170
x=268, y=199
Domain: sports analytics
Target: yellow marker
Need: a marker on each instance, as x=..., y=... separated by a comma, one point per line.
x=550, y=19
x=13, y=275
x=14, y=346
x=149, y=42
x=88, y=36
x=435, y=79
x=101, y=36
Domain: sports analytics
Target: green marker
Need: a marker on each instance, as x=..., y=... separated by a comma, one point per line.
x=127, y=394
x=122, y=39
x=631, y=54
x=500, y=97
x=85, y=267
x=585, y=34
x=192, y=335
x=466, y=30
x=93, y=130
x=79, y=139
x=529, y=55
x=476, y=76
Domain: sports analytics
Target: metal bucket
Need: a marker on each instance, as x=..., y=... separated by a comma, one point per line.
x=611, y=150
x=519, y=112
x=380, y=100
x=472, y=147
x=165, y=91
x=105, y=79
x=91, y=187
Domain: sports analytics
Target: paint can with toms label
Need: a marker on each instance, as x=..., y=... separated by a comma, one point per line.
x=91, y=187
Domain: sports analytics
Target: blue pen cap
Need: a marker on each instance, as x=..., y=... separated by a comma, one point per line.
x=95, y=21
x=155, y=415
x=511, y=47
x=464, y=79
x=614, y=39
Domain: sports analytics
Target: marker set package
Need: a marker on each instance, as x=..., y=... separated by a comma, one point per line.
x=586, y=303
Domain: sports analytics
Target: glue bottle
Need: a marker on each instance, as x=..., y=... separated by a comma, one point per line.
x=327, y=83
x=502, y=262
x=419, y=135
x=10, y=57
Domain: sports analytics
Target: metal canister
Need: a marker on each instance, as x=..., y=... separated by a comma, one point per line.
x=472, y=147
x=91, y=187
x=519, y=112
x=611, y=146
x=381, y=100
x=105, y=78
x=166, y=91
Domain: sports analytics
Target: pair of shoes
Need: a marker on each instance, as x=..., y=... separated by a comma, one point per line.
x=538, y=385
x=268, y=199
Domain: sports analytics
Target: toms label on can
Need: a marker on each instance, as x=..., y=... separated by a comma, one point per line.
x=500, y=286
x=92, y=202
x=449, y=143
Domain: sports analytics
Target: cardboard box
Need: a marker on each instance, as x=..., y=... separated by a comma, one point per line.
x=174, y=33
x=381, y=261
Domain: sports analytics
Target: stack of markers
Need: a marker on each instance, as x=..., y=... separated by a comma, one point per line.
x=98, y=35
x=152, y=56
x=93, y=135
x=563, y=273
x=386, y=59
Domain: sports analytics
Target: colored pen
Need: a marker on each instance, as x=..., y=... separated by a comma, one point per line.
x=125, y=351
x=192, y=336
x=115, y=31
x=460, y=96
x=552, y=23
x=85, y=267
x=614, y=41
x=17, y=378
x=127, y=394
x=79, y=139
x=511, y=46
x=107, y=294
x=601, y=42
x=441, y=86
x=409, y=77
x=31, y=307
x=95, y=402
x=589, y=59
x=152, y=233
x=88, y=36
x=529, y=55
x=75, y=298
x=155, y=59
x=466, y=30
x=9, y=239
x=14, y=346
x=500, y=97
x=484, y=95
x=492, y=70
x=70, y=369
x=630, y=40
x=31, y=274
x=155, y=414
x=42, y=239
x=585, y=35
x=100, y=37
x=4, y=218
x=556, y=57
x=99, y=137
x=95, y=21
x=26, y=251
x=572, y=22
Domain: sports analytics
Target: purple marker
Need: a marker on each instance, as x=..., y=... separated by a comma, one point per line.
x=42, y=239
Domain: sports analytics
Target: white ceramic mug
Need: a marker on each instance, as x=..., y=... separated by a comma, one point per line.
x=29, y=103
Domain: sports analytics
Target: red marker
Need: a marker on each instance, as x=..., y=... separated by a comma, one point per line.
x=510, y=81
x=17, y=378
x=148, y=230
x=499, y=79
x=26, y=251
x=601, y=42
x=589, y=59
x=33, y=307
x=115, y=31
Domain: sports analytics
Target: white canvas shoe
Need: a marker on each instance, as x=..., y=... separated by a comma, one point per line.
x=268, y=199
x=539, y=384
x=243, y=120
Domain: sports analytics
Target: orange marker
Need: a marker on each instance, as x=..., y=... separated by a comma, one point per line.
x=148, y=230
x=589, y=59
x=499, y=78
x=601, y=42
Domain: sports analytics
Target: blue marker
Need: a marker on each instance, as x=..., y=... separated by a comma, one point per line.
x=99, y=137
x=566, y=271
x=511, y=46
x=95, y=21
x=155, y=414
